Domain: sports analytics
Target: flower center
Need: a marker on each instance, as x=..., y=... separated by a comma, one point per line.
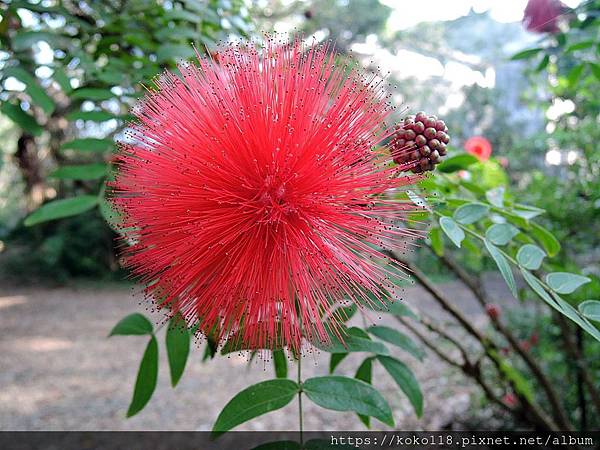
x=274, y=201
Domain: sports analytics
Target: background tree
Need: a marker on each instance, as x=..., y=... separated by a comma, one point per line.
x=70, y=72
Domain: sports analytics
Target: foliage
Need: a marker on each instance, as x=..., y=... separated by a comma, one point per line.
x=492, y=222
x=77, y=246
x=70, y=73
x=539, y=333
x=339, y=393
x=568, y=68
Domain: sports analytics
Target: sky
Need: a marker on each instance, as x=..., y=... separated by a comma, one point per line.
x=404, y=63
x=408, y=12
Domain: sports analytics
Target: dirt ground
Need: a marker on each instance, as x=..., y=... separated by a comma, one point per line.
x=59, y=371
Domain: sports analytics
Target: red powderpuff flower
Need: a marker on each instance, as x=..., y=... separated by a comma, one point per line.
x=541, y=16
x=479, y=147
x=256, y=194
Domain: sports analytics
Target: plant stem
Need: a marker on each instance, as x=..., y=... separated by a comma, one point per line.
x=573, y=352
x=300, y=421
x=580, y=387
x=475, y=287
x=490, y=348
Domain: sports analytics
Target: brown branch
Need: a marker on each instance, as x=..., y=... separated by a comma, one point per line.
x=439, y=297
x=438, y=330
x=532, y=409
x=573, y=351
x=471, y=370
x=557, y=407
x=428, y=343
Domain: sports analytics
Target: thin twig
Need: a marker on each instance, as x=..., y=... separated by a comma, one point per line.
x=531, y=408
x=573, y=352
x=557, y=407
x=466, y=367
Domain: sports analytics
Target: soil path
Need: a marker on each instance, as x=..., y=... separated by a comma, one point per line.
x=60, y=372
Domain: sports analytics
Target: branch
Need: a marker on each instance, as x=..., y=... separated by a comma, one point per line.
x=573, y=351
x=471, y=370
x=531, y=408
x=557, y=407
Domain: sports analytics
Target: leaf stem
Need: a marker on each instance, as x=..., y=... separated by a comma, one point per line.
x=506, y=255
x=300, y=421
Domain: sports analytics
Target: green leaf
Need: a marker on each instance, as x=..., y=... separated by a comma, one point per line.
x=40, y=98
x=110, y=214
x=88, y=145
x=496, y=196
x=348, y=394
x=452, y=230
x=345, y=313
x=399, y=308
x=177, y=341
x=94, y=94
x=527, y=213
x=80, y=172
x=33, y=89
x=547, y=239
x=503, y=266
x=365, y=373
x=564, y=282
x=580, y=46
x=21, y=118
x=543, y=63
x=574, y=75
x=146, y=379
x=526, y=54
x=405, y=380
x=352, y=343
x=171, y=52
x=24, y=40
x=456, y=163
x=335, y=360
x=255, y=401
x=280, y=363
x=475, y=188
x=501, y=233
x=590, y=309
x=530, y=256
x=560, y=305
x=133, y=324
x=210, y=350
x=95, y=116
x=521, y=384
x=398, y=339
x=517, y=220
x=437, y=244
x=181, y=14
x=58, y=209
x=538, y=288
x=470, y=213
x=62, y=79
x=595, y=69
x=574, y=315
x=111, y=77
